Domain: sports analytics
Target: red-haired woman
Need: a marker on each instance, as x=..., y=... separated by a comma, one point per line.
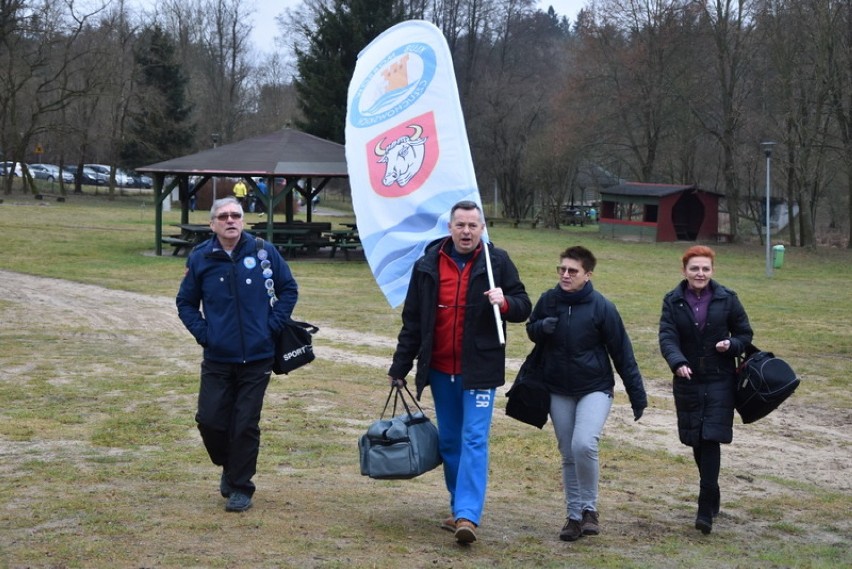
x=703, y=328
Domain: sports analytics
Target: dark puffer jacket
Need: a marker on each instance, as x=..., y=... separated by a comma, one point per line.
x=577, y=355
x=705, y=403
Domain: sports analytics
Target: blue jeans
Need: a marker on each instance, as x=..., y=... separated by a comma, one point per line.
x=578, y=422
x=464, y=425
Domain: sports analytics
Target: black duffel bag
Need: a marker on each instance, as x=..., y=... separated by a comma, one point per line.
x=763, y=383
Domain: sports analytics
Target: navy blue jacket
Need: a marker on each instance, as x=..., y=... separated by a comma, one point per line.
x=483, y=359
x=705, y=403
x=576, y=357
x=223, y=301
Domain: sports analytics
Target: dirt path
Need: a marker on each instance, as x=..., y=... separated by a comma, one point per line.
x=801, y=442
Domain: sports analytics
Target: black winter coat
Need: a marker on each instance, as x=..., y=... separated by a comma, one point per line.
x=576, y=357
x=705, y=403
x=483, y=358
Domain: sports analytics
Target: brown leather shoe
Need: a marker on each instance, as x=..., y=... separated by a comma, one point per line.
x=449, y=524
x=590, y=523
x=571, y=531
x=465, y=531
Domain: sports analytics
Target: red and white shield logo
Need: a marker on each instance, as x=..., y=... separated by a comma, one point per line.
x=401, y=159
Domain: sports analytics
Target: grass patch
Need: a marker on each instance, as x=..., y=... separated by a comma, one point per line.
x=103, y=465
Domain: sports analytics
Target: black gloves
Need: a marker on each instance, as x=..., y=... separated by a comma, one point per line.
x=548, y=325
x=637, y=413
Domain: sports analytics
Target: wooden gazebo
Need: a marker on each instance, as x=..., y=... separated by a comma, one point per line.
x=305, y=164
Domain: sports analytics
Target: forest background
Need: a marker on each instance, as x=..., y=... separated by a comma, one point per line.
x=668, y=91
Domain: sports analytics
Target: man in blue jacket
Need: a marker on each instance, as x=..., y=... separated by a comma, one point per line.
x=227, y=301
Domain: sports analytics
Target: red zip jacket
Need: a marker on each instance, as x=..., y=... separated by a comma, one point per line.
x=449, y=319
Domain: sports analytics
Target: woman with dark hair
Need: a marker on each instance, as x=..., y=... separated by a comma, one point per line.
x=703, y=328
x=579, y=331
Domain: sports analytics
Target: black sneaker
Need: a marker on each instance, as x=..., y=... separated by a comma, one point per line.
x=225, y=486
x=590, y=524
x=571, y=531
x=238, y=502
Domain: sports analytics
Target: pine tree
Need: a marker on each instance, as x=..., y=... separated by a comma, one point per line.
x=160, y=126
x=338, y=33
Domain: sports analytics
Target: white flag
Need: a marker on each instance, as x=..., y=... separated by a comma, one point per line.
x=406, y=149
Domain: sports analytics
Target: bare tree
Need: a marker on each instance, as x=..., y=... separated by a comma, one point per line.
x=840, y=87
x=212, y=37
x=799, y=47
x=726, y=29
x=512, y=87
x=37, y=47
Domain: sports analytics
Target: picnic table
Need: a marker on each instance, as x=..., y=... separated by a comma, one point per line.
x=296, y=236
x=345, y=240
x=191, y=234
x=288, y=241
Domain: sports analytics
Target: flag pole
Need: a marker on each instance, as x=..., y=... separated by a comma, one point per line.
x=497, y=319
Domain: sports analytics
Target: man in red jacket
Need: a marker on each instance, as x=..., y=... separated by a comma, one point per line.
x=448, y=326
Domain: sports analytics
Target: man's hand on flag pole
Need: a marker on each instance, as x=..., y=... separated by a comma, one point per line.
x=495, y=297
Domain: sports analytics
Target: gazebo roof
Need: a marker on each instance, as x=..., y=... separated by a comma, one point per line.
x=287, y=152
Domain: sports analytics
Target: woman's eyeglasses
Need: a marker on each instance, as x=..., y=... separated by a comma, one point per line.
x=232, y=215
x=571, y=272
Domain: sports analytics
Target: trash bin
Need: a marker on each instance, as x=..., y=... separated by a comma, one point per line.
x=778, y=256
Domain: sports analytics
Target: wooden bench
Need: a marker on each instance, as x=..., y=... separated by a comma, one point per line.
x=345, y=246
x=289, y=248
x=314, y=243
x=178, y=244
x=344, y=239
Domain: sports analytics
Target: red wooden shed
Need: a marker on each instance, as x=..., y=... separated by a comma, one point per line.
x=659, y=212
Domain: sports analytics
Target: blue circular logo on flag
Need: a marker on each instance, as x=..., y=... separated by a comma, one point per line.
x=395, y=84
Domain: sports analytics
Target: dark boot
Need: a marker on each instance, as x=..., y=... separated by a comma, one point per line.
x=716, y=502
x=704, y=518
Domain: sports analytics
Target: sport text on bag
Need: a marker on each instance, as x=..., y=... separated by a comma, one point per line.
x=293, y=347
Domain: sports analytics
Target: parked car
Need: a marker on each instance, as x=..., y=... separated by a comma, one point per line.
x=40, y=173
x=88, y=177
x=141, y=180
x=50, y=172
x=11, y=169
x=133, y=179
x=121, y=178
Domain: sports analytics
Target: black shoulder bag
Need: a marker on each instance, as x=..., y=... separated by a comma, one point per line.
x=529, y=398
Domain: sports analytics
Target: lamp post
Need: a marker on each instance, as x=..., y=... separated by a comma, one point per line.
x=767, y=150
x=215, y=137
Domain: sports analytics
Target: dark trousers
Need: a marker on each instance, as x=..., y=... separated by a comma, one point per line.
x=229, y=403
x=708, y=458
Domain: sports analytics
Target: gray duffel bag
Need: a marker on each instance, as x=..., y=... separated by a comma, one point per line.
x=403, y=447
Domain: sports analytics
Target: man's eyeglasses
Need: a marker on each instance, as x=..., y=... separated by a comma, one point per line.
x=571, y=272
x=232, y=215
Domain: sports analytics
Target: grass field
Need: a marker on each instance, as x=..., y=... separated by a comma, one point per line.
x=102, y=465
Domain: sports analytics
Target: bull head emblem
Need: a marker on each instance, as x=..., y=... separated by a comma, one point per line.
x=403, y=156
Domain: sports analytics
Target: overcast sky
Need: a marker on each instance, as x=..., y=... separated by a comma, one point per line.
x=266, y=11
